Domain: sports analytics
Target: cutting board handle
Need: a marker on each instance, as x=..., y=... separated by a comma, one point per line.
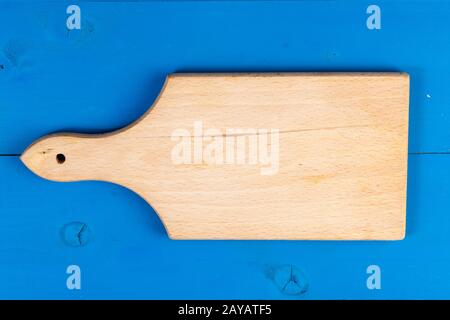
x=71, y=157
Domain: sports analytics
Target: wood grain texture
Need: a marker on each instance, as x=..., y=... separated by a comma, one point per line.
x=342, y=160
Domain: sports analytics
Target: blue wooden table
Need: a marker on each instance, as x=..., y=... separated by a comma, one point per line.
x=108, y=73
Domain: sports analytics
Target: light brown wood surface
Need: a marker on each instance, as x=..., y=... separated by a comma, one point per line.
x=342, y=156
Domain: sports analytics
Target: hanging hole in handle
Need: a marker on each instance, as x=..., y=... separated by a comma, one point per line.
x=60, y=158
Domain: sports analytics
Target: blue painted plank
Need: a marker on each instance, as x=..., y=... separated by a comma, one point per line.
x=108, y=73
x=127, y=254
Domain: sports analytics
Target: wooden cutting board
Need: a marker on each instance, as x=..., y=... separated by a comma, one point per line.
x=257, y=156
